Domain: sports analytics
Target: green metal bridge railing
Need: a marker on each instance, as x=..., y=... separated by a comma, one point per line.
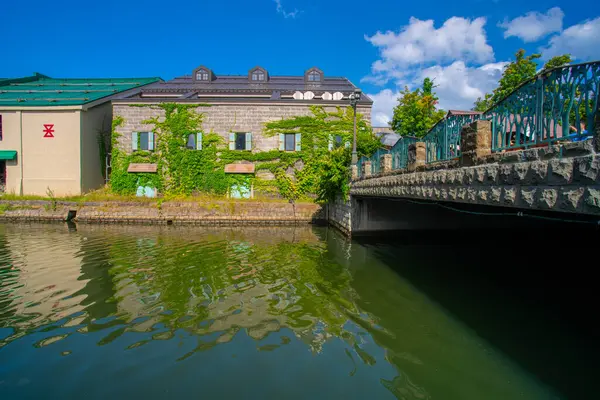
x=556, y=104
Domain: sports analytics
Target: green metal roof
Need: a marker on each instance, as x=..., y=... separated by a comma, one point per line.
x=40, y=90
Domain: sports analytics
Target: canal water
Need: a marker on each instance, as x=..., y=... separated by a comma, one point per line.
x=165, y=312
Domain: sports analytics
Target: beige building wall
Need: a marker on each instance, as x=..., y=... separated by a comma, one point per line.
x=42, y=162
x=51, y=163
x=94, y=122
x=11, y=140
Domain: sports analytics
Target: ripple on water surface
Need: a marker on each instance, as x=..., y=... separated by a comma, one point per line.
x=255, y=313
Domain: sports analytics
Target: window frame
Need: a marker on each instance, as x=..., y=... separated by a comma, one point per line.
x=202, y=75
x=314, y=74
x=1, y=131
x=141, y=142
x=237, y=141
x=194, y=136
x=285, y=141
x=337, y=141
x=260, y=76
x=143, y=145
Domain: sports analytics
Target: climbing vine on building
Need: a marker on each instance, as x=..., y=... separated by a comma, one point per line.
x=319, y=167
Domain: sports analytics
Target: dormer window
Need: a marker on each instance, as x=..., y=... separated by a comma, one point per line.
x=258, y=75
x=313, y=75
x=202, y=75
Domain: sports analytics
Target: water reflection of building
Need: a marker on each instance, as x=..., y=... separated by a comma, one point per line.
x=56, y=273
x=49, y=272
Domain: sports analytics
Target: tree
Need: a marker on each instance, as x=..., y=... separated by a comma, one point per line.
x=514, y=74
x=483, y=104
x=416, y=111
x=558, y=61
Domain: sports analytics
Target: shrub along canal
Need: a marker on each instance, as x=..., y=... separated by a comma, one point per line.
x=289, y=312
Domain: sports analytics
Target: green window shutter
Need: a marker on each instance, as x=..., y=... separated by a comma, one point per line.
x=199, y=141
x=151, y=141
x=330, y=143
x=281, y=142
x=134, y=141
x=298, y=140
x=248, y=141
x=231, y=141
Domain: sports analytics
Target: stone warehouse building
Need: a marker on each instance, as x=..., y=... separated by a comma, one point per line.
x=240, y=105
x=50, y=131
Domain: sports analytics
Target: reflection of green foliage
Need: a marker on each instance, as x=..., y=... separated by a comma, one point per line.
x=248, y=282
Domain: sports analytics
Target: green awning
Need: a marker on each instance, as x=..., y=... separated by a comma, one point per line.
x=8, y=154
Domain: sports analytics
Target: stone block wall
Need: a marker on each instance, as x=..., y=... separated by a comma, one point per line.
x=562, y=178
x=188, y=212
x=221, y=119
x=339, y=214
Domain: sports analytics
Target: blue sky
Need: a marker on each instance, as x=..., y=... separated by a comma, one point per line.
x=379, y=45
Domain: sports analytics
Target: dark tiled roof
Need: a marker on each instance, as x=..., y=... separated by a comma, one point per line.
x=388, y=138
x=463, y=112
x=275, y=87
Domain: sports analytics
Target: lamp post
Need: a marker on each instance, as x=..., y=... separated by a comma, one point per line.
x=354, y=98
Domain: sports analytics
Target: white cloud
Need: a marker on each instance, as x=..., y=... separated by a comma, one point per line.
x=420, y=42
x=452, y=55
x=383, y=104
x=286, y=14
x=458, y=86
x=582, y=41
x=534, y=25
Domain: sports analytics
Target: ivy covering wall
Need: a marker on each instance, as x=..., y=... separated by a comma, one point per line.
x=319, y=168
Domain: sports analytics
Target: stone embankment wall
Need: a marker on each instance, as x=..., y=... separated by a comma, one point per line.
x=563, y=177
x=339, y=214
x=177, y=213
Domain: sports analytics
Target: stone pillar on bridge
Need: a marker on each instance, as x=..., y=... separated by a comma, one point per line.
x=366, y=169
x=386, y=163
x=475, y=142
x=597, y=129
x=417, y=155
x=353, y=172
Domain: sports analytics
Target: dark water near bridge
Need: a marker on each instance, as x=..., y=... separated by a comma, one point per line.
x=166, y=312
